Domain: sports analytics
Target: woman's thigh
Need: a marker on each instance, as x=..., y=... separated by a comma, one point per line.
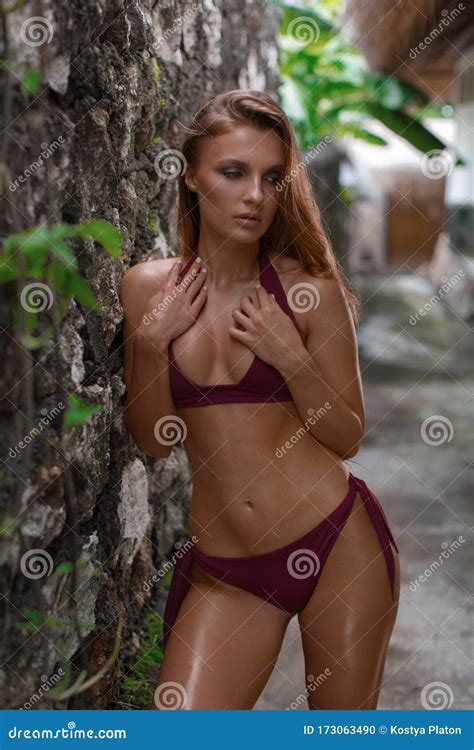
x=348, y=621
x=222, y=649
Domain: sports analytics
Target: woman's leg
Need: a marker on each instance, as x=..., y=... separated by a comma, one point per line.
x=348, y=621
x=222, y=649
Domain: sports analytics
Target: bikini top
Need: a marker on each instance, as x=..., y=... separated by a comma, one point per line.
x=261, y=383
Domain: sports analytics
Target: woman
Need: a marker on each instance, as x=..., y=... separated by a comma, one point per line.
x=248, y=349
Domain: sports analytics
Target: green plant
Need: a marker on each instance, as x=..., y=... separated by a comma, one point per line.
x=328, y=90
x=41, y=253
x=138, y=683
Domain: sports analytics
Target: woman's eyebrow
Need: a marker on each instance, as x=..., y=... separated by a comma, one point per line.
x=241, y=163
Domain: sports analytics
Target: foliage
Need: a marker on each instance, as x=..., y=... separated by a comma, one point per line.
x=328, y=90
x=138, y=682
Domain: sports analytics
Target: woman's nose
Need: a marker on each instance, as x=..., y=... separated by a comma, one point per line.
x=254, y=190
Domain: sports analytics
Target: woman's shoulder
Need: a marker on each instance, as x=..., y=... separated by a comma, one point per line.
x=144, y=279
x=286, y=265
x=148, y=271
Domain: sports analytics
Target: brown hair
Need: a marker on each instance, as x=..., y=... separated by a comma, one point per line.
x=296, y=230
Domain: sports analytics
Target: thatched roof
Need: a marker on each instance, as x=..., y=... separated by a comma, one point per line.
x=394, y=34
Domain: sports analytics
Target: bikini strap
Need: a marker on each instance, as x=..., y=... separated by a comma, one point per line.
x=185, y=267
x=271, y=281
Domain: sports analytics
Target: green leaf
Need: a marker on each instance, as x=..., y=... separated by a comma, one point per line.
x=102, y=232
x=8, y=268
x=31, y=240
x=359, y=132
x=79, y=412
x=31, y=81
x=68, y=565
x=34, y=617
x=63, y=253
x=71, y=284
x=64, y=567
x=36, y=342
x=407, y=127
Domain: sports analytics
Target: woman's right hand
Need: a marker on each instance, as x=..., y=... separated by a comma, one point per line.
x=175, y=307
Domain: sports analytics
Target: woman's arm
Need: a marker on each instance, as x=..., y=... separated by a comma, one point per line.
x=145, y=364
x=323, y=376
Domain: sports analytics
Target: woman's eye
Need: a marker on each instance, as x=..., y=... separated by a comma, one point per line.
x=236, y=173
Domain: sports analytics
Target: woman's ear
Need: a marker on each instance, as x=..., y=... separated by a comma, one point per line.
x=189, y=179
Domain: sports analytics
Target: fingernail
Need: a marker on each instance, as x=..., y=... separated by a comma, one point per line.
x=198, y=259
x=257, y=286
x=203, y=269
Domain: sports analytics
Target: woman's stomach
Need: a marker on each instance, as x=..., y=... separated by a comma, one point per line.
x=260, y=479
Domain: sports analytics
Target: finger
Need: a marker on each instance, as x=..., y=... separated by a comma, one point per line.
x=196, y=282
x=237, y=334
x=191, y=274
x=263, y=297
x=199, y=300
x=196, y=286
x=248, y=305
x=173, y=273
x=240, y=317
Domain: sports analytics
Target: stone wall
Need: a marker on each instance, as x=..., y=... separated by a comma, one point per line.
x=118, y=79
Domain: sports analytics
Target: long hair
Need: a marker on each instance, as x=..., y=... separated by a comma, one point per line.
x=296, y=230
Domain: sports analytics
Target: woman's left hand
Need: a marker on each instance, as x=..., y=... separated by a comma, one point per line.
x=265, y=328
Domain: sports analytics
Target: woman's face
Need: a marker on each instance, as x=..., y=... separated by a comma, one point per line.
x=237, y=174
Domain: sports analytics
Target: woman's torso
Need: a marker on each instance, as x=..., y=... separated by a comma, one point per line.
x=260, y=479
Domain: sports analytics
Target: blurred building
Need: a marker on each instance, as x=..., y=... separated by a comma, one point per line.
x=431, y=46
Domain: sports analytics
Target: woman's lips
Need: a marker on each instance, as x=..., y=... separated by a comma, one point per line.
x=246, y=222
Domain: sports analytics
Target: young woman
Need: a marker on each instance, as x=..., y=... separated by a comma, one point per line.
x=246, y=351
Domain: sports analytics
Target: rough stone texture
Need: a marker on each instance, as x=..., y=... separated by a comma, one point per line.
x=119, y=78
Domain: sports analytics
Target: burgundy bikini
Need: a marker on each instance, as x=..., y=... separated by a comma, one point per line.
x=261, y=382
x=287, y=576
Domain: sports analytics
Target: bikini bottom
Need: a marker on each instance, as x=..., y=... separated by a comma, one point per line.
x=286, y=577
